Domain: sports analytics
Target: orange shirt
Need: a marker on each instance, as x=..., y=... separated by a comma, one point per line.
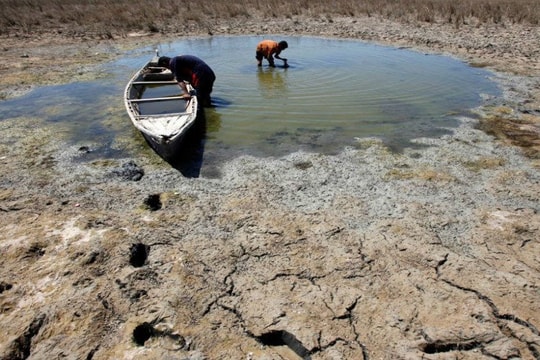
x=268, y=47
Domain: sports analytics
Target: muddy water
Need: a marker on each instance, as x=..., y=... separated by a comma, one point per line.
x=333, y=92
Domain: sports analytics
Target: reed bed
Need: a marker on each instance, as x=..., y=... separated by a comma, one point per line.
x=121, y=16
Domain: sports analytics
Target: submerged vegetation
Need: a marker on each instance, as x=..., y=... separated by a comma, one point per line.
x=104, y=18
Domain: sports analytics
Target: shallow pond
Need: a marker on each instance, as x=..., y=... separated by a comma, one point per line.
x=333, y=92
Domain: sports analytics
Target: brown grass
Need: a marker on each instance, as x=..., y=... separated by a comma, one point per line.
x=484, y=163
x=514, y=131
x=426, y=174
x=106, y=17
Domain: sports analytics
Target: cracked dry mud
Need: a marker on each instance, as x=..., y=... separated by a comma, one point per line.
x=432, y=253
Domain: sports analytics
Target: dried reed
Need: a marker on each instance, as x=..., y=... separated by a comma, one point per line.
x=106, y=17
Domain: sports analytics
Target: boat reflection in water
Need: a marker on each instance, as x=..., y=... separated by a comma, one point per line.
x=188, y=155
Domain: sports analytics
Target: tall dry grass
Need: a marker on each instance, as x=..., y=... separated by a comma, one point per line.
x=108, y=17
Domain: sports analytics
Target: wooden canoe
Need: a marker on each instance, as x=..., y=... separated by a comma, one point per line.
x=158, y=109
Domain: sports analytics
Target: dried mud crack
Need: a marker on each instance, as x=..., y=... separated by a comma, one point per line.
x=367, y=254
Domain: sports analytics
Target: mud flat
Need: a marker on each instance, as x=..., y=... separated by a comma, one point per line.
x=431, y=253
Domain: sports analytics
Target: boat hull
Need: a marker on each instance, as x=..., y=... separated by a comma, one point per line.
x=169, y=149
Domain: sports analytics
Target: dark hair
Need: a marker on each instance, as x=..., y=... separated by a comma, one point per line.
x=283, y=44
x=164, y=61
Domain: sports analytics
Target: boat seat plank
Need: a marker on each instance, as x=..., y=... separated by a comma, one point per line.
x=156, y=82
x=158, y=99
x=159, y=116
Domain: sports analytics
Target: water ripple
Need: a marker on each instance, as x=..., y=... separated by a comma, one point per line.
x=333, y=92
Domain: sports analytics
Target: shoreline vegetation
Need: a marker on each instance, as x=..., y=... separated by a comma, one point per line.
x=106, y=19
